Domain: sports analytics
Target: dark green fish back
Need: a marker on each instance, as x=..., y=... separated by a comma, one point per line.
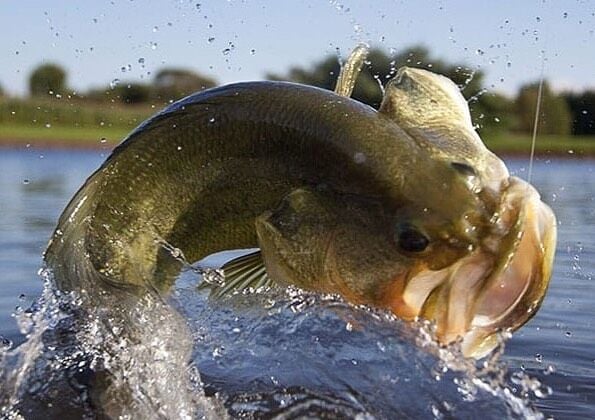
x=196, y=176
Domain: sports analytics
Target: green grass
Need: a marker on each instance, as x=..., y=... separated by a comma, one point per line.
x=81, y=123
x=514, y=143
x=68, y=122
x=14, y=134
x=72, y=112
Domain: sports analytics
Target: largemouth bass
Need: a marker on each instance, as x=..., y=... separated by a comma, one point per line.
x=402, y=208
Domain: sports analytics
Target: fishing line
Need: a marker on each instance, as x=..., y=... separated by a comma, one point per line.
x=536, y=121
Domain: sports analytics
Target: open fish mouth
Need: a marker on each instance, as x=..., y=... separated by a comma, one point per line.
x=497, y=287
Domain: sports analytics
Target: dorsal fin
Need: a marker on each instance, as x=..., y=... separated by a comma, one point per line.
x=350, y=70
x=247, y=271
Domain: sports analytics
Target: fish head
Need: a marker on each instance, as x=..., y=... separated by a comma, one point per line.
x=454, y=239
x=491, y=240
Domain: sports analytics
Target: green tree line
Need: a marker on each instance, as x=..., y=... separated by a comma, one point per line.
x=566, y=113
x=169, y=84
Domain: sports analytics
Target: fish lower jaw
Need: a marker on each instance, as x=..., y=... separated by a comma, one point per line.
x=488, y=292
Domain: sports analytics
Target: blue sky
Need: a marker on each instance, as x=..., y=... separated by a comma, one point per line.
x=96, y=41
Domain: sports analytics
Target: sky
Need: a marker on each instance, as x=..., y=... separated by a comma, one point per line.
x=233, y=40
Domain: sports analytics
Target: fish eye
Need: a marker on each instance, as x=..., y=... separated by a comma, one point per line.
x=410, y=239
x=464, y=168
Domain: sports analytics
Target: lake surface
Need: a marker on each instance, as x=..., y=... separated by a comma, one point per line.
x=557, y=346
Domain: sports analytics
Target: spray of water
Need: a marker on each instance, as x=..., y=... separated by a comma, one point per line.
x=276, y=353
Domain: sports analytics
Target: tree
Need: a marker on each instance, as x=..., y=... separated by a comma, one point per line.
x=133, y=93
x=554, y=118
x=492, y=113
x=175, y=83
x=582, y=109
x=381, y=67
x=47, y=79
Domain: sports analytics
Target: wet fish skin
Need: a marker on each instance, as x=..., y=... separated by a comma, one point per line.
x=210, y=171
x=199, y=173
x=490, y=244
x=332, y=242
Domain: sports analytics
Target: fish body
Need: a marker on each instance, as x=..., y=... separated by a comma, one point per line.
x=402, y=208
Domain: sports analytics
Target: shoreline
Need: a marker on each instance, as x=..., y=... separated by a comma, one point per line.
x=109, y=145
x=52, y=144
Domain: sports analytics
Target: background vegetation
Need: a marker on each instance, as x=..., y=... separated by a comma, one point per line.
x=52, y=111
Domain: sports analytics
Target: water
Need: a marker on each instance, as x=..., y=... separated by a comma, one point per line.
x=282, y=353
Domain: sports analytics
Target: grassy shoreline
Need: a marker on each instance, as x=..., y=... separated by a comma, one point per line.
x=101, y=138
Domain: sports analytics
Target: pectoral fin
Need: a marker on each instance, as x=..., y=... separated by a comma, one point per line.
x=247, y=271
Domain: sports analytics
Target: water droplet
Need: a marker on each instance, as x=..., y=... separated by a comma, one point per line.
x=114, y=83
x=211, y=39
x=538, y=357
x=538, y=19
x=197, y=5
x=212, y=120
x=48, y=125
x=226, y=51
x=565, y=15
x=155, y=28
x=479, y=52
x=103, y=140
x=5, y=343
x=218, y=351
x=349, y=326
x=153, y=45
x=252, y=51
x=568, y=334
x=584, y=112
x=34, y=387
x=542, y=393
x=94, y=20
x=179, y=147
x=25, y=181
x=141, y=60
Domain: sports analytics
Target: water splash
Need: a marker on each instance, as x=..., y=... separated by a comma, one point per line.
x=286, y=351
x=260, y=353
x=117, y=356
